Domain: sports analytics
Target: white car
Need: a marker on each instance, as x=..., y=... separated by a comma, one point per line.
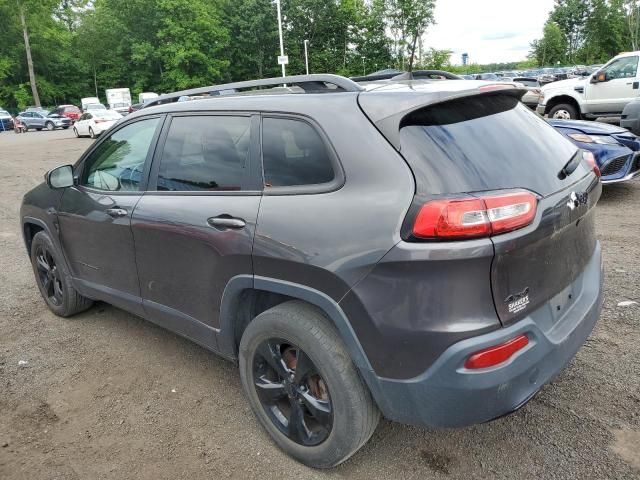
x=95, y=122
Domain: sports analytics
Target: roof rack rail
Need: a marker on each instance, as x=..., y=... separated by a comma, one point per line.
x=316, y=83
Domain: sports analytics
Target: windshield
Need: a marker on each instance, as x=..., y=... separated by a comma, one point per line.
x=485, y=142
x=96, y=106
x=4, y=112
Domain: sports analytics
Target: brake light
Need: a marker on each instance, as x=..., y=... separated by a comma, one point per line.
x=591, y=161
x=492, y=356
x=474, y=217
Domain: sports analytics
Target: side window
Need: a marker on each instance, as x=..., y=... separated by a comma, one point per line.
x=208, y=153
x=293, y=154
x=118, y=162
x=622, y=68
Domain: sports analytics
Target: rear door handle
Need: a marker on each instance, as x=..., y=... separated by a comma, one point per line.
x=226, y=221
x=117, y=212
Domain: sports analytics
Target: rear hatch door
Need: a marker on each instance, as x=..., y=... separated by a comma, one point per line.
x=490, y=142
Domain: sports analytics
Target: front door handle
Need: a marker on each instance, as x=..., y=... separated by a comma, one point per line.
x=226, y=221
x=117, y=212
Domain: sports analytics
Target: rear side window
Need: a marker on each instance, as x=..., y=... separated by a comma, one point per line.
x=294, y=154
x=486, y=142
x=209, y=153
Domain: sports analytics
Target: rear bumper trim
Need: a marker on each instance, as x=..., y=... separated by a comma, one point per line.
x=449, y=395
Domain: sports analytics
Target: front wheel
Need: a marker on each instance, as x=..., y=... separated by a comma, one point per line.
x=563, y=111
x=91, y=134
x=75, y=132
x=54, y=282
x=303, y=387
x=50, y=126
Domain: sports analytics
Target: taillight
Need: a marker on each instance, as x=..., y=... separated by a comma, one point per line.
x=474, y=217
x=492, y=356
x=591, y=161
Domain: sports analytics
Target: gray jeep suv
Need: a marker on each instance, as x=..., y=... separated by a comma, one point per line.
x=421, y=250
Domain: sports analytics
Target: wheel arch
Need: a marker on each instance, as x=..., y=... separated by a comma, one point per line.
x=557, y=100
x=237, y=310
x=30, y=227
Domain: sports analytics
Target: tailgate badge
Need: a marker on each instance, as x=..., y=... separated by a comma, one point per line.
x=518, y=301
x=577, y=199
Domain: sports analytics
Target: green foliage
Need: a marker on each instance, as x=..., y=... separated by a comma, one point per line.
x=82, y=47
x=589, y=31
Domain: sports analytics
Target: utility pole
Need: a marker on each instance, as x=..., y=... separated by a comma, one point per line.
x=284, y=74
x=306, y=55
x=27, y=46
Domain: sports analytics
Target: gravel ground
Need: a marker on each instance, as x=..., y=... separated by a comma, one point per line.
x=108, y=395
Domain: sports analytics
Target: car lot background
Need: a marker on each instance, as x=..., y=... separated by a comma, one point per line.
x=108, y=395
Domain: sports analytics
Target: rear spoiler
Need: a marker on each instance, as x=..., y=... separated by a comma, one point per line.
x=375, y=104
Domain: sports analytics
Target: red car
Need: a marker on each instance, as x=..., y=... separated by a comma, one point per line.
x=70, y=111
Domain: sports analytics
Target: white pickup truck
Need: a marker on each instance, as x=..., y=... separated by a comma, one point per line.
x=604, y=93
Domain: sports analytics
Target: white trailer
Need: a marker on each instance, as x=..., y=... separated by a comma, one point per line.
x=119, y=99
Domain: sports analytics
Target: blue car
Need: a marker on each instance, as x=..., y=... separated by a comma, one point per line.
x=616, y=150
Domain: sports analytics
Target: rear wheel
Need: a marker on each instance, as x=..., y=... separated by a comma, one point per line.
x=303, y=387
x=564, y=111
x=91, y=134
x=50, y=126
x=54, y=282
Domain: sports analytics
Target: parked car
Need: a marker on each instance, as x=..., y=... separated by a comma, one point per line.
x=135, y=107
x=487, y=76
x=443, y=286
x=70, y=111
x=532, y=97
x=84, y=102
x=93, y=122
x=39, y=119
x=95, y=106
x=6, y=121
x=616, y=150
x=603, y=93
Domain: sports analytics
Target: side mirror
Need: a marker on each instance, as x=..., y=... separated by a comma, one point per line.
x=60, y=177
x=599, y=77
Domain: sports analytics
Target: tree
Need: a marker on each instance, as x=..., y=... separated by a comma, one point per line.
x=571, y=17
x=409, y=20
x=632, y=8
x=551, y=48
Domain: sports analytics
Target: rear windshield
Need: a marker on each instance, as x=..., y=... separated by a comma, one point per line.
x=486, y=142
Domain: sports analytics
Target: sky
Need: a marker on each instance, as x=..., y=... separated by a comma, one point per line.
x=488, y=30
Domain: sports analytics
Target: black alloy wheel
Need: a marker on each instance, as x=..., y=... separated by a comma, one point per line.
x=49, y=276
x=292, y=392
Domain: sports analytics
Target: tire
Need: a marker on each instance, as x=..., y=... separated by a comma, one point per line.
x=91, y=134
x=50, y=126
x=39, y=129
x=75, y=131
x=564, y=111
x=64, y=128
x=59, y=295
x=353, y=415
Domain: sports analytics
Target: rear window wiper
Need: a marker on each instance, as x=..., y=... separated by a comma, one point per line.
x=570, y=166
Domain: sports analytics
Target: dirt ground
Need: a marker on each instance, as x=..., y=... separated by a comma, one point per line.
x=106, y=395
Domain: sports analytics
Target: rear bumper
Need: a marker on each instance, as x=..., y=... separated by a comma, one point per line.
x=449, y=395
